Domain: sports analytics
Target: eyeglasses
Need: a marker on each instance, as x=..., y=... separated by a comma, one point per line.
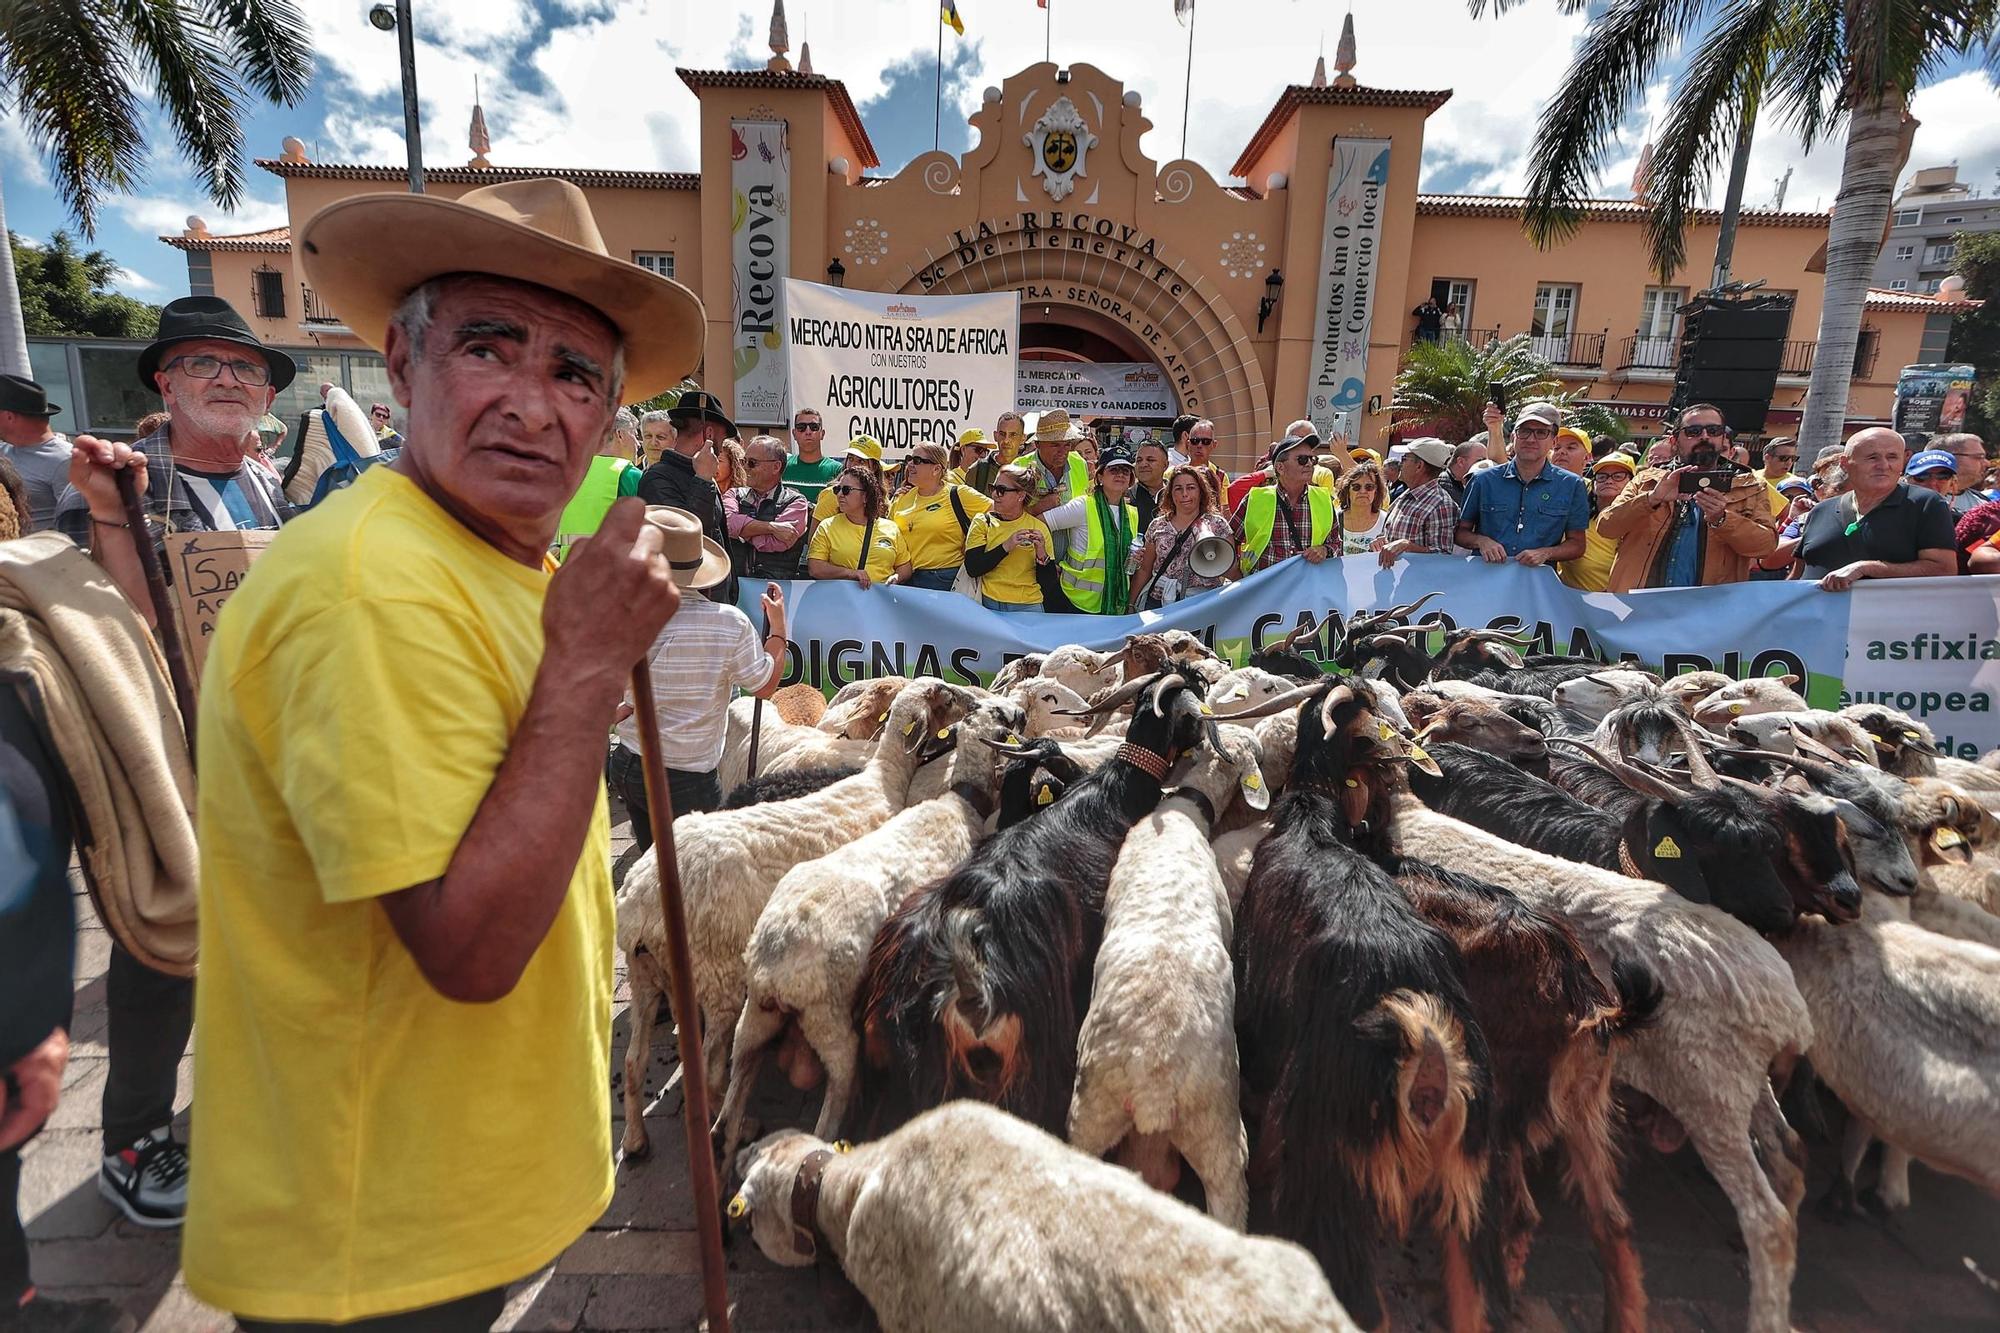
x=755, y=461
x=846, y=490
x=1715, y=429
x=1201, y=439
x=807, y=425
x=254, y=373
x=1780, y=458
x=925, y=462
x=1535, y=430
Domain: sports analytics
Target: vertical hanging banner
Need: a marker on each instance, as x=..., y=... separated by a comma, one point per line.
x=904, y=369
x=760, y=255
x=1350, y=260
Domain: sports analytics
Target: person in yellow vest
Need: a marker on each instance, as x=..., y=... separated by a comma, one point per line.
x=864, y=452
x=1290, y=517
x=1103, y=534
x=836, y=548
x=1591, y=571
x=611, y=477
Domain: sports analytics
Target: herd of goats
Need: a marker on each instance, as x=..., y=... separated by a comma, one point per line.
x=1352, y=948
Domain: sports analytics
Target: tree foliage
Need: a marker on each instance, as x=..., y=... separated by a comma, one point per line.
x=1444, y=384
x=66, y=292
x=1975, y=335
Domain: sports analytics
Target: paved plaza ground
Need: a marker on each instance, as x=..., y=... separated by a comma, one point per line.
x=1932, y=1270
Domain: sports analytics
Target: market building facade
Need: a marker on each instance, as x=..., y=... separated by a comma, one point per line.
x=1153, y=289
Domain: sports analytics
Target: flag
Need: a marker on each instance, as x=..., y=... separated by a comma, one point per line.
x=1043, y=4
x=949, y=13
x=1183, y=10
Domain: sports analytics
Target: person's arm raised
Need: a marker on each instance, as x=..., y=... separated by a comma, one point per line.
x=473, y=931
x=94, y=465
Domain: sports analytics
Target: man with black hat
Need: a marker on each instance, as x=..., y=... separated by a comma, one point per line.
x=217, y=381
x=699, y=423
x=32, y=445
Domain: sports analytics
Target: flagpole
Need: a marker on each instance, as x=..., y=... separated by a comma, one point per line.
x=1187, y=89
x=1048, y=21
x=937, y=100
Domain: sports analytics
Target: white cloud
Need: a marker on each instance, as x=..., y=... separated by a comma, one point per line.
x=132, y=283
x=23, y=165
x=163, y=215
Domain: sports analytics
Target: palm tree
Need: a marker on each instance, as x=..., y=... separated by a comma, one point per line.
x=79, y=72
x=1446, y=384
x=1816, y=62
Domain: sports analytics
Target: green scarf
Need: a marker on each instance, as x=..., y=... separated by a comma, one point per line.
x=1117, y=543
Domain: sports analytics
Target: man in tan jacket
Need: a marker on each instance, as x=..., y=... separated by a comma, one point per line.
x=1670, y=540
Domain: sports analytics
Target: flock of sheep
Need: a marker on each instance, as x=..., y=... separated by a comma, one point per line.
x=1352, y=949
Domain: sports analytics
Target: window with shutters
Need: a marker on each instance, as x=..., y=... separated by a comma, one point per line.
x=267, y=292
x=655, y=261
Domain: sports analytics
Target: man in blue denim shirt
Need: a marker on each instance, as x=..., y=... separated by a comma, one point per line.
x=1529, y=510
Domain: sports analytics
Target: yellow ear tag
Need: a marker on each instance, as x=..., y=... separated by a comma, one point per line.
x=1667, y=850
x=739, y=1206
x=1013, y=738
x=1913, y=735
x=1252, y=781
x=1352, y=783
x=883, y=718
x=1735, y=710
x=842, y=1146
x=1206, y=711
x=1385, y=731
x=1045, y=794
x=909, y=729
x=944, y=733
x=1947, y=837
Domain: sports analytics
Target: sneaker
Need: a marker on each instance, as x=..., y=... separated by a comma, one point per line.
x=41, y=1315
x=148, y=1181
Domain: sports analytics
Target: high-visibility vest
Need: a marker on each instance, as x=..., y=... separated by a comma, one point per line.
x=1079, y=475
x=1082, y=572
x=1260, y=515
x=585, y=512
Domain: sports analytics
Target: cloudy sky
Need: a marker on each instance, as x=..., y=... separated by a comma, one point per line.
x=591, y=83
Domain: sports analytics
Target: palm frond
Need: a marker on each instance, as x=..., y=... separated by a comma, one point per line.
x=200, y=96
x=1620, y=55
x=1724, y=80
x=64, y=66
x=1808, y=85
x=1444, y=383
x=271, y=43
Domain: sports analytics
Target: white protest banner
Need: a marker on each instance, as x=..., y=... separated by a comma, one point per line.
x=904, y=369
x=760, y=254
x=1105, y=388
x=1349, y=259
x=1929, y=648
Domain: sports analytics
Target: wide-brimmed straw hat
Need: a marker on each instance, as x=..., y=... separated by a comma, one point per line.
x=697, y=561
x=1055, y=427
x=366, y=253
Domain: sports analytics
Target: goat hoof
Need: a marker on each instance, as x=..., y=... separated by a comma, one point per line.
x=1876, y=1207
x=1836, y=1206
x=635, y=1145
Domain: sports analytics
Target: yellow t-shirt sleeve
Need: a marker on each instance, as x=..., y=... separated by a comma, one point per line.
x=975, y=503
x=827, y=503
x=900, y=550
x=411, y=726
x=822, y=542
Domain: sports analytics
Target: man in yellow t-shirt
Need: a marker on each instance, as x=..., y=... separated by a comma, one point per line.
x=406, y=911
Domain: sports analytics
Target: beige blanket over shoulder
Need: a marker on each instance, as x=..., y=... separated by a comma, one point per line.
x=103, y=689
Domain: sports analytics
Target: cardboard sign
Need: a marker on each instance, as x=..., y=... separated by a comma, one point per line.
x=203, y=571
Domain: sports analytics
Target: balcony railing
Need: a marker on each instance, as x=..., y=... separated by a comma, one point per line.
x=1476, y=337
x=315, y=309
x=1642, y=352
x=1800, y=355
x=1569, y=349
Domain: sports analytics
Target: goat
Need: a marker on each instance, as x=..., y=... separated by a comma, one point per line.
x=1592, y=697
x=1729, y=1010
x=730, y=861
x=1691, y=687
x=1779, y=731
x=968, y=1219
x=1357, y=1039
x=1049, y=704
x=1156, y=1058
x=1649, y=728
x=976, y=984
x=1482, y=726
x=1758, y=694
x=1975, y=879
x=1244, y=688
x=1869, y=802
x=1903, y=745
x=1035, y=776
x=802, y=964
x=786, y=785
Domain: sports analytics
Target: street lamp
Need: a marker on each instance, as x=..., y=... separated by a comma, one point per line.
x=1274, y=287
x=836, y=272
x=396, y=18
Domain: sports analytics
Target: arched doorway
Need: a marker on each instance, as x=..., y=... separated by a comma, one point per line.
x=1155, y=313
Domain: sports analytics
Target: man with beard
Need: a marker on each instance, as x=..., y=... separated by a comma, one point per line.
x=198, y=474
x=1673, y=538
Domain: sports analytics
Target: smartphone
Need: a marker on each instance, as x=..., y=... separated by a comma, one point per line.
x=1497, y=392
x=1695, y=479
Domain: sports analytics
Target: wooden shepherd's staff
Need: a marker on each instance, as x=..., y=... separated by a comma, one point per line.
x=687, y=1011
x=166, y=629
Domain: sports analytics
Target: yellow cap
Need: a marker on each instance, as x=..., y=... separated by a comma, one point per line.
x=1575, y=434
x=867, y=446
x=1361, y=454
x=974, y=436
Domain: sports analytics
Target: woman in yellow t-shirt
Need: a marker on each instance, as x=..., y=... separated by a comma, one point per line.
x=1005, y=545
x=934, y=515
x=835, y=550
x=1591, y=571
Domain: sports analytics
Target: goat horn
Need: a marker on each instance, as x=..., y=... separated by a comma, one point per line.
x=1116, y=698
x=1638, y=779
x=1278, y=703
x=1403, y=612
x=1497, y=636
x=1812, y=768
x=1699, y=768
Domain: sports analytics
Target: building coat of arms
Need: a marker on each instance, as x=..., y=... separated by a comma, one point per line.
x=1060, y=142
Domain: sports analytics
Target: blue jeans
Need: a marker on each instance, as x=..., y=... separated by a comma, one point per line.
x=1007, y=608
x=938, y=580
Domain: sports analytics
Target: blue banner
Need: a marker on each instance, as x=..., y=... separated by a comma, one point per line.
x=841, y=633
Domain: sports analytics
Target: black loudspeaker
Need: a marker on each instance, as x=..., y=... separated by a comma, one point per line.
x=1730, y=354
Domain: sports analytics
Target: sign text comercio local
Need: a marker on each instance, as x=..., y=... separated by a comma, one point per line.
x=760, y=255
x=904, y=369
x=1119, y=245
x=1349, y=263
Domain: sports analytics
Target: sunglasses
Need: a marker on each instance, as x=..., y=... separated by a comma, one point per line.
x=1715, y=429
x=1781, y=458
x=847, y=490
x=1201, y=439
x=253, y=373
x=1008, y=490
x=807, y=425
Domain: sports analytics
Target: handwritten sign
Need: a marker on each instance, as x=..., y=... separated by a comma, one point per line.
x=204, y=569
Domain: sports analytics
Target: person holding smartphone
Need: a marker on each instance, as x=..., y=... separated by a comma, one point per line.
x=1692, y=518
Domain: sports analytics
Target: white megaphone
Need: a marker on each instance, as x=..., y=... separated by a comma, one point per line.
x=1212, y=557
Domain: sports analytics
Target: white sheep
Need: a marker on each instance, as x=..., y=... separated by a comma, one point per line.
x=1156, y=1058
x=1741, y=698
x=969, y=1219
x=777, y=739
x=1591, y=697
x=730, y=861
x=1691, y=687
x=858, y=709
x=1730, y=1010
x=1244, y=688
x=806, y=955
x=1779, y=733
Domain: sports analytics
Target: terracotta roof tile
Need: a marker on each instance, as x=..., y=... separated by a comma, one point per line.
x=791, y=81
x=581, y=176
x=1603, y=210
x=1299, y=94
x=272, y=240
